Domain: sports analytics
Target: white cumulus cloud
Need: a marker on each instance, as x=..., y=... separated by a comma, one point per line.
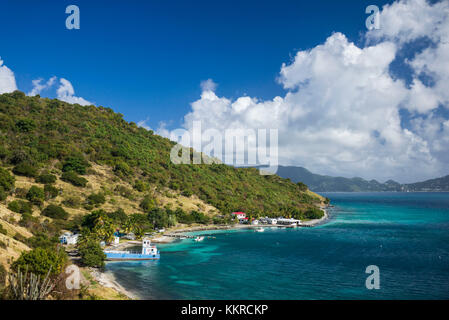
x=341, y=113
x=66, y=93
x=38, y=86
x=7, y=79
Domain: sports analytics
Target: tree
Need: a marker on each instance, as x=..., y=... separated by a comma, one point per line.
x=36, y=195
x=50, y=191
x=75, y=163
x=55, y=212
x=40, y=260
x=20, y=206
x=25, y=169
x=91, y=253
x=7, y=180
x=46, y=178
x=74, y=179
x=147, y=204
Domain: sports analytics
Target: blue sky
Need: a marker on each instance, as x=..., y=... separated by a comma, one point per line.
x=346, y=101
x=147, y=58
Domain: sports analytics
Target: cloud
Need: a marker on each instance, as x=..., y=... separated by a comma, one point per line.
x=7, y=79
x=342, y=111
x=208, y=85
x=38, y=87
x=143, y=124
x=66, y=93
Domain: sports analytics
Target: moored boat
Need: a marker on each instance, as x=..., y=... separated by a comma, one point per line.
x=149, y=252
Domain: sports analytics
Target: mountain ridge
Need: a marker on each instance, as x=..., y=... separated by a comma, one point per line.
x=326, y=183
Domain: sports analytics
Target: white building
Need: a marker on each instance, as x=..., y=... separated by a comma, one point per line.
x=288, y=222
x=243, y=220
x=271, y=221
x=239, y=215
x=69, y=238
x=255, y=222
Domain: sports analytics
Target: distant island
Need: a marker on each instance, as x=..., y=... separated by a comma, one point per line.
x=324, y=183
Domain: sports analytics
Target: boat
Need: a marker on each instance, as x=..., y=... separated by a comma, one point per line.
x=149, y=252
x=197, y=239
x=260, y=230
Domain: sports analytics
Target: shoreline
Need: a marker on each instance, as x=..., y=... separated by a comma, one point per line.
x=161, y=239
x=108, y=280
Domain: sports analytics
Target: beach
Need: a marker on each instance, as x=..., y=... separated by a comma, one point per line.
x=107, y=280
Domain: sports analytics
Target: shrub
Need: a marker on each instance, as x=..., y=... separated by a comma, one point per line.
x=55, y=212
x=25, y=169
x=36, y=195
x=302, y=186
x=313, y=213
x=96, y=199
x=140, y=186
x=6, y=180
x=20, y=206
x=147, y=204
x=19, y=237
x=74, y=179
x=40, y=260
x=21, y=193
x=124, y=192
x=3, y=194
x=50, y=191
x=25, y=125
x=76, y=164
x=122, y=168
x=3, y=230
x=92, y=254
x=42, y=240
x=46, y=178
x=72, y=202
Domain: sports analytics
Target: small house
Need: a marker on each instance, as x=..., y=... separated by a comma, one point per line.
x=239, y=215
x=69, y=238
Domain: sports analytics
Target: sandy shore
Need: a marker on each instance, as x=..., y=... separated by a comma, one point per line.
x=107, y=279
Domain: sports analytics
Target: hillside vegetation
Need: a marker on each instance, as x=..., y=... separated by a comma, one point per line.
x=37, y=132
x=85, y=169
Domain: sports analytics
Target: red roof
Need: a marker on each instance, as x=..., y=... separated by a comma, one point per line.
x=238, y=213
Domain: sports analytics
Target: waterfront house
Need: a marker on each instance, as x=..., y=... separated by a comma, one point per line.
x=271, y=221
x=255, y=222
x=69, y=238
x=239, y=215
x=243, y=220
x=288, y=222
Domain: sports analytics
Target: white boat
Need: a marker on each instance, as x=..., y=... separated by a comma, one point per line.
x=199, y=239
x=260, y=230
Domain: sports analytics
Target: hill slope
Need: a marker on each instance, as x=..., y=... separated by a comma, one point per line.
x=45, y=133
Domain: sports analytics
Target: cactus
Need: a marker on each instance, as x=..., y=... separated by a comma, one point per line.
x=28, y=286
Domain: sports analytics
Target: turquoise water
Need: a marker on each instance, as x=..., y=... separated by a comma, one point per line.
x=405, y=234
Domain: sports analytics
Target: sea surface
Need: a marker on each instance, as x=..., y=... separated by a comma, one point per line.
x=406, y=235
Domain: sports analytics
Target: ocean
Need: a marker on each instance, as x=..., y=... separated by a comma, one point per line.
x=406, y=235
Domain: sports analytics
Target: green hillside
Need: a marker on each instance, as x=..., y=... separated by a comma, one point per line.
x=37, y=132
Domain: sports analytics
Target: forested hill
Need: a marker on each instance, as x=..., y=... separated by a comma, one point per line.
x=323, y=183
x=40, y=134
x=438, y=184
